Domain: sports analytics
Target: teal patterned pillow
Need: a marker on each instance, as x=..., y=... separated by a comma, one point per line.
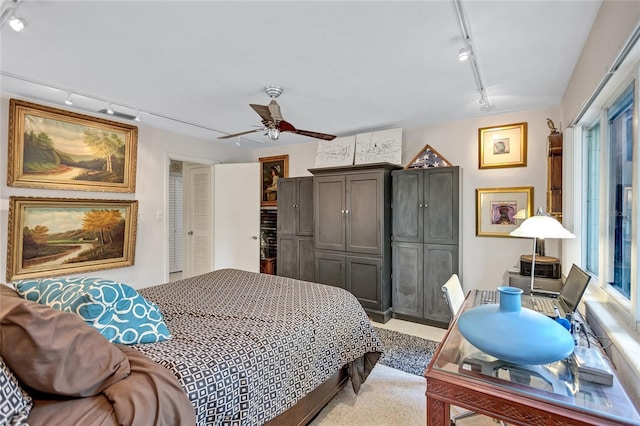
x=115, y=309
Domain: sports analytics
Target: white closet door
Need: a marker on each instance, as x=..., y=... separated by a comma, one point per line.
x=237, y=216
x=176, y=252
x=198, y=220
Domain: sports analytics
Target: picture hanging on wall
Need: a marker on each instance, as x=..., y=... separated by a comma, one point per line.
x=496, y=208
x=427, y=158
x=502, y=146
x=60, y=236
x=56, y=149
x=272, y=169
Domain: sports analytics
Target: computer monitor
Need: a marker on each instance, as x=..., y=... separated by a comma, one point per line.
x=573, y=289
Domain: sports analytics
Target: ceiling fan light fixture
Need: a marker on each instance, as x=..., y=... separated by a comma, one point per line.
x=273, y=133
x=463, y=54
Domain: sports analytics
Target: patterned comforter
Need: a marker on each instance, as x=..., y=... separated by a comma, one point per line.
x=247, y=346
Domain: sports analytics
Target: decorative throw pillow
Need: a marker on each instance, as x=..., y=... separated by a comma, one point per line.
x=15, y=403
x=115, y=309
x=56, y=352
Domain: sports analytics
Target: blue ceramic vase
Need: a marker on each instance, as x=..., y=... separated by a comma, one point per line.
x=515, y=334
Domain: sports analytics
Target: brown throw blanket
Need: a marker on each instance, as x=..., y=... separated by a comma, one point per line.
x=150, y=395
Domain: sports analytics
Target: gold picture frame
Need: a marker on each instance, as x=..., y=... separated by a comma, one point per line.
x=271, y=169
x=64, y=236
x=502, y=146
x=57, y=149
x=496, y=208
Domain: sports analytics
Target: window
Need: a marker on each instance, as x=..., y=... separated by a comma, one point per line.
x=620, y=123
x=609, y=165
x=592, y=191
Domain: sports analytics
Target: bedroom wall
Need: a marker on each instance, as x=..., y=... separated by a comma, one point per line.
x=485, y=260
x=154, y=148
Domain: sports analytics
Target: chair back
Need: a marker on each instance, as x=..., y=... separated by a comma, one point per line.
x=453, y=293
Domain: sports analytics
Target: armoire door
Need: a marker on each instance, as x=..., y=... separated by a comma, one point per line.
x=287, y=201
x=329, y=208
x=287, y=255
x=305, y=259
x=407, y=205
x=364, y=212
x=440, y=262
x=304, y=203
x=408, y=276
x=330, y=269
x=441, y=208
x=364, y=276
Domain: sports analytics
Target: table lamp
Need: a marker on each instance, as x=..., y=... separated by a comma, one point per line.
x=540, y=226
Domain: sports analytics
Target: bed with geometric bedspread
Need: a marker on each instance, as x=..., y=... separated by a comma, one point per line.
x=246, y=347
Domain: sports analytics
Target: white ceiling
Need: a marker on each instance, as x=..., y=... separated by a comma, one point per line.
x=346, y=67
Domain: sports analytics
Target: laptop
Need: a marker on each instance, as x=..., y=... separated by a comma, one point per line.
x=566, y=302
x=546, y=302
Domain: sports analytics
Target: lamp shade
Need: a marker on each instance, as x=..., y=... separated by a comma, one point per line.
x=541, y=226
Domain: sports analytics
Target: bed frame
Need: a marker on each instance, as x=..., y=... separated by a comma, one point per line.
x=308, y=407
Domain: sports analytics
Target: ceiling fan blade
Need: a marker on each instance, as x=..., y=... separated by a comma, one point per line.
x=274, y=110
x=240, y=134
x=263, y=111
x=316, y=135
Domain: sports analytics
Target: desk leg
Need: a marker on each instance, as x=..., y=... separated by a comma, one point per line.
x=438, y=412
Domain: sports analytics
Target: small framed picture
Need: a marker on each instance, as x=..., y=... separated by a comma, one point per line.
x=64, y=236
x=502, y=146
x=496, y=209
x=272, y=169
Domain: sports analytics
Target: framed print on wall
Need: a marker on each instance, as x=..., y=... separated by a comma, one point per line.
x=56, y=149
x=60, y=236
x=496, y=208
x=271, y=169
x=502, y=146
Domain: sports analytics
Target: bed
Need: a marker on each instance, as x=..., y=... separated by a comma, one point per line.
x=253, y=349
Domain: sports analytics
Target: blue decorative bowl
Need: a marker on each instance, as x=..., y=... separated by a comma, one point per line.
x=515, y=334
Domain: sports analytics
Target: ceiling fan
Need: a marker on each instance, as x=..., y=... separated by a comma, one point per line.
x=273, y=122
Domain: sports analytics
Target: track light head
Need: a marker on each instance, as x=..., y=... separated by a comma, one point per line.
x=109, y=109
x=138, y=118
x=68, y=101
x=463, y=54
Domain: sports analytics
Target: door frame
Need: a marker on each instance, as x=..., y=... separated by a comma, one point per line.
x=168, y=156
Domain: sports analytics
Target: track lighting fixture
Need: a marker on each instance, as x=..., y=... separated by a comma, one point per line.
x=463, y=54
x=17, y=24
x=109, y=109
x=138, y=118
x=68, y=101
x=468, y=53
x=9, y=8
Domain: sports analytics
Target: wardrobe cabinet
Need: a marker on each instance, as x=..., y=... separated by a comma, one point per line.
x=352, y=232
x=295, y=228
x=425, y=242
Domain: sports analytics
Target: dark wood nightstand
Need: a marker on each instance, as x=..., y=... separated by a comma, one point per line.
x=268, y=265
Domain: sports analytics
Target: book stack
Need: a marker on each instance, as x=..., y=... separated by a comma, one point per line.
x=592, y=366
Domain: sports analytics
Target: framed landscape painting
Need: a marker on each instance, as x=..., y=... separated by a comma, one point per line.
x=56, y=149
x=60, y=236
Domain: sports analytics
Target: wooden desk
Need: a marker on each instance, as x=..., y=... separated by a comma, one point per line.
x=504, y=394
